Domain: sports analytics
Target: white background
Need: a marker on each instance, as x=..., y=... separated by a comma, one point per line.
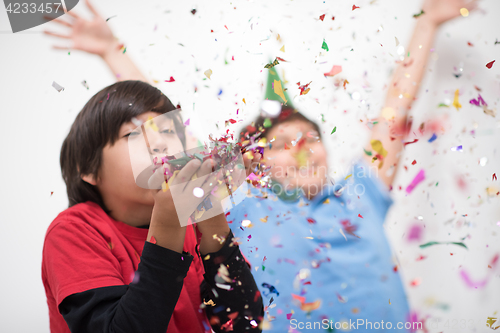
x=36, y=118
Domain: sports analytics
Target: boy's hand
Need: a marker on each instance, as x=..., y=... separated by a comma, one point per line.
x=93, y=36
x=251, y=161
x=164, y=202
x=440, y=11
x=217, y=225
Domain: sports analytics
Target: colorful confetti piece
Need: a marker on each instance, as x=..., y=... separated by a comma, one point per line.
x=324, y=46
x=58, y=87
x=278, y=89
x=208, y=73
x=456, y=103
x=418, y=178
x=334, y=71
x=436, y=243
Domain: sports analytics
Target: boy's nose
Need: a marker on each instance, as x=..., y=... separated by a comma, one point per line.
x=157, y=144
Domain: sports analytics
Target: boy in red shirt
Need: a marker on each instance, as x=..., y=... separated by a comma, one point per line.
x=118, y=260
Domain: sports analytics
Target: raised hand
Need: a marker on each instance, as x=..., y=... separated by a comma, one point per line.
x=93, y=36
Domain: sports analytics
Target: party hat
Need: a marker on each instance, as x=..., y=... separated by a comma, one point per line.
x=275, y=90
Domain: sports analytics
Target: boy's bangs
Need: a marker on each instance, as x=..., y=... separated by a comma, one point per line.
x=128, y=105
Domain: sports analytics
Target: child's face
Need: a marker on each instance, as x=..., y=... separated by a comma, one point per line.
x=116, y=183
x=305, y=163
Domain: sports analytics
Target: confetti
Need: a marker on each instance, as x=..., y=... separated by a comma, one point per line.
x=334, y=71
x=84, y=83
x=278, y=89
x=171, y=79
x=272, y=289
x=109, y=18
x=322, y=17
x=418, y=178
x=490, y=321
x=464, y=12
x=410, y=142
x=208, y=73
x=272, y=64
x=267, y=123
x=324, y=46
x=282, y=48
x=436, y=243
x=417, y=15
x=433, y=137
x=478, y=102
x=377, y=146
x=334, y=130
x=455, y=100
x=354, y=7
x=153, y=240
x=490, y=64
x=151, y=123
x=304, y=88
x=359, y=215
x=186, y=123
x=57, y=86
x=457, y=148
x=340, y=230
x=308, y=307
x=136, y=121
x=415, y=232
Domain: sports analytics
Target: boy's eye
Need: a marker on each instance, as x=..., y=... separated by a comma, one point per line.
x=131, y=134
x=167, y=131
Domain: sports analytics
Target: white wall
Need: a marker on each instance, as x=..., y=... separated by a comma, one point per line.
x=36, y=119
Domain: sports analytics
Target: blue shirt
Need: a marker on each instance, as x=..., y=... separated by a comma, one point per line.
x=299, y=256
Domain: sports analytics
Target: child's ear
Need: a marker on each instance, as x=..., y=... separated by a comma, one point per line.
x=89, y=179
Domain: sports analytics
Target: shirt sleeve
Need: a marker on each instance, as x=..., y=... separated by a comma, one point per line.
x=371, y=186
x=98, y=300
x=229, y=291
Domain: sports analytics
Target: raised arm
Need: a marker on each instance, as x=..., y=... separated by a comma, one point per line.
x=96, y=37
x=392, y=125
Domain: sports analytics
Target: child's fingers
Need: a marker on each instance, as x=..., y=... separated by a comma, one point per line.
x=187, y=172
x=251, y=164
x=255, y=163
x=92, y=9
x=206, y=168
x=71, y=13
x=57, y=20
x=155, y=181
x=56, y=34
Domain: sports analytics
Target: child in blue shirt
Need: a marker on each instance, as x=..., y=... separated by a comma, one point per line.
x=322, y=261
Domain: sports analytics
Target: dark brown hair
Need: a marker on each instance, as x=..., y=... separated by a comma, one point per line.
x=287, y=114
x=98, y=124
